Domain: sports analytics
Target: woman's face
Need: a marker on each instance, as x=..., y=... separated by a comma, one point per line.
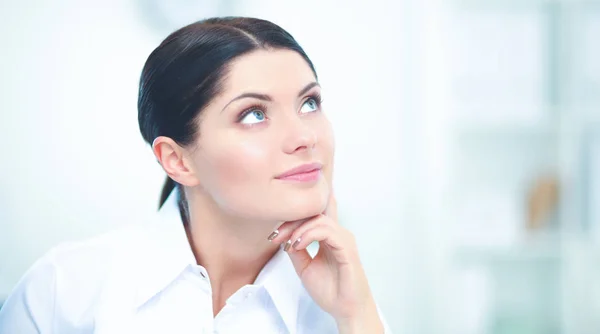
x=266, y=122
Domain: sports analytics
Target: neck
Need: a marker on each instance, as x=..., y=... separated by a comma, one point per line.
x=232, y=250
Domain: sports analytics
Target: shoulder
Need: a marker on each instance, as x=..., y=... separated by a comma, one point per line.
x=84, y=267
x=66, y=283
x=91, y=259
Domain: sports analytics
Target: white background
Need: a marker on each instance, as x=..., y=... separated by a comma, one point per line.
x=441, y=125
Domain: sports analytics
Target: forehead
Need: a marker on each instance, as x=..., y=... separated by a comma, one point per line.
x=268, y=71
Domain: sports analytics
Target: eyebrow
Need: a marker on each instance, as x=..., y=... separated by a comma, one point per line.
x=265, y=97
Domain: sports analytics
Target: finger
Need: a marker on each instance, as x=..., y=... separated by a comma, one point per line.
x=300, y=259
x=324, y=233
x=300, y=230
x=315, y=229
x=283, y=232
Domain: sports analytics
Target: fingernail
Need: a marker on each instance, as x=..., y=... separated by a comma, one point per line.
x=287, y=246
x=273, y=235
x=296, y=243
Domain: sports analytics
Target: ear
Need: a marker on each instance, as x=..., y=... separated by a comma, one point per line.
x=174, y=161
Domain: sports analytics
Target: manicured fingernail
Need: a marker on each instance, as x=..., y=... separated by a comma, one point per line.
x=296, y=243
x=273, y=235
x=287, y=246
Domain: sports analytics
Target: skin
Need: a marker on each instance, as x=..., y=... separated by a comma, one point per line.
x=236, y=201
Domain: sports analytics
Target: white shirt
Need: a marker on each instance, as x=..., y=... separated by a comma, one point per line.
x=144, y=279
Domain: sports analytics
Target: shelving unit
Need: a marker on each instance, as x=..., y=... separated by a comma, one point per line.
x=540, y=114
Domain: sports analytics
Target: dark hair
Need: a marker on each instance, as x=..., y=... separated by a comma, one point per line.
x=184, y=73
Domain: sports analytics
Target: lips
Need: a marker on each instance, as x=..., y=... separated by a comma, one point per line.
x=305, y=172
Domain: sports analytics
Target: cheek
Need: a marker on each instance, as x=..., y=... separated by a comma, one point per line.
x=324, y=131
x=327, y=147
x=242, y=162
x=328, y=141
x=237, y=172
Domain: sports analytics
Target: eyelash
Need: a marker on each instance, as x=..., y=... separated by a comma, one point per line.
x=262, y=107
x=317, y=97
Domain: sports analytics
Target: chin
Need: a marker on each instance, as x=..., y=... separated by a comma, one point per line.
x=302, y=204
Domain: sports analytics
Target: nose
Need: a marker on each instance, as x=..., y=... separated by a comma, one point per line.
x=300, y=136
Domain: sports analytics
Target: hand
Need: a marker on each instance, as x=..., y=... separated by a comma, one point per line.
x=334, y=278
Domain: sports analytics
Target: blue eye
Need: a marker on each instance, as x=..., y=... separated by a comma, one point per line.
x=253, y=117
x=311, y=105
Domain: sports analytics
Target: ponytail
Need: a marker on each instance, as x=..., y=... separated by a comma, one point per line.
x=166, y=191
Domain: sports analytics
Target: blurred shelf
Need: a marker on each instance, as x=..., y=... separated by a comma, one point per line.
x=509, y=256
x=592, y=116
x=471, y=131
x=546, y=252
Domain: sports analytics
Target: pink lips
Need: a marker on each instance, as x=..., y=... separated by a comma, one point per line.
x=303, y=173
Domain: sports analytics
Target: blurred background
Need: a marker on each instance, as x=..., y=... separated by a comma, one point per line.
x=468, y=144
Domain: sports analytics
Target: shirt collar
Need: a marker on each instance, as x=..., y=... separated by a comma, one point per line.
x=166, y=252
x=282, y=283
x=169, y=254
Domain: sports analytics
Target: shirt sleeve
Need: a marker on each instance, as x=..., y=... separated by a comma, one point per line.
x=30, y=306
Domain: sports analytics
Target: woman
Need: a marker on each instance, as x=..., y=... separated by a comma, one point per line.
x=232, y=109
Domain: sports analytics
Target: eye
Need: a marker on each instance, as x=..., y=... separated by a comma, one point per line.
x=253, y=116
x=310, y=105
